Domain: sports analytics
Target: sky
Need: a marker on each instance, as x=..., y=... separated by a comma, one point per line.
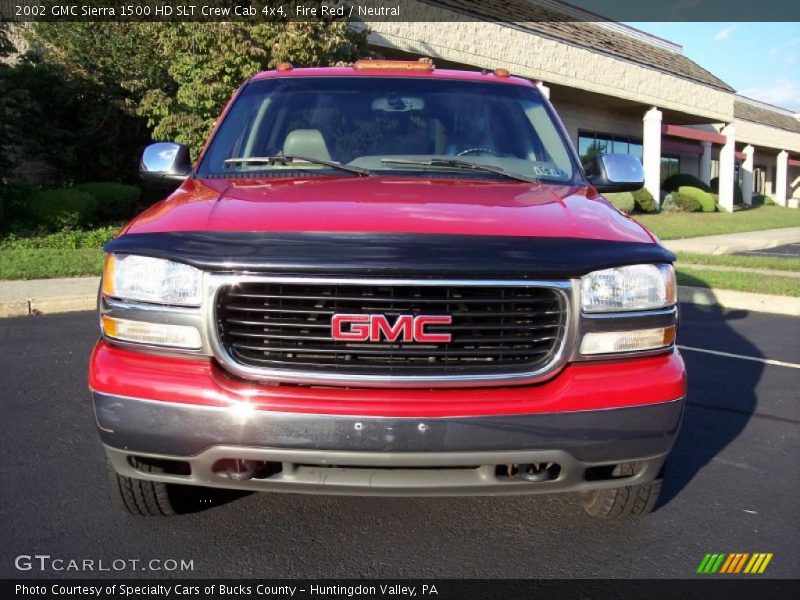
x=758, y=60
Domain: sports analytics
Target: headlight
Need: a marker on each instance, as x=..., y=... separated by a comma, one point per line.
x=146, y=279
x=637, y=287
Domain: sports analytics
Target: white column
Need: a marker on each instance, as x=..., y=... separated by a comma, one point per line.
x=705, y=162
x=747, y=175
x=544, y=89
x=782, y=179
x=727, y=170
x=651, y=152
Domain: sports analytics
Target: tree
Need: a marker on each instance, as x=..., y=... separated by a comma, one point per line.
x=595, y=148
x=6, y=46
x=208, y=61
x=122, y=59
x=64, y=122
x=180, y=75
x=6, y=108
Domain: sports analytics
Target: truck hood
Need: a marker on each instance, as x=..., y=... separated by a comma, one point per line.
x=389, y=205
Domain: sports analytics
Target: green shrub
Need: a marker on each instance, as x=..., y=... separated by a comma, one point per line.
x=66, y=239
x=738, y=198
x=644, y=202
x=115, y=201
x=62, y=208
x=763, y=200
x=674, y=182
x=668, y=203
x=623, y=201
x=14, y=201
x=679, y=202
x=706, y=200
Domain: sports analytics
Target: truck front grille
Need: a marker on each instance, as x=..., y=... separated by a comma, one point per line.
x=280, y=326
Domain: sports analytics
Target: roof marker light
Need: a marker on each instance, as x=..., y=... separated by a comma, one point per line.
x=284, y=66
x=423, y=64
x=501, y=72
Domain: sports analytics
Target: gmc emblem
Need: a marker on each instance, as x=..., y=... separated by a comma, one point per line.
x=374, y=328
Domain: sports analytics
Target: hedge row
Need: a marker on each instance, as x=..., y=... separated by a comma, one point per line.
x=690, y=199
x=623, y=201
x=706, y=200
x=674, y=182
x=640, y=201
x=738, y=197
x=69, y=208
x=763, y=200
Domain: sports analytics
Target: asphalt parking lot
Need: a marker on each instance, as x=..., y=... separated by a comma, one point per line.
x=787, y=251
x=732, y=486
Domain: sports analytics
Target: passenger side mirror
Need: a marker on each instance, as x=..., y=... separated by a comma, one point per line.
x=164, y=162
x=616, y=173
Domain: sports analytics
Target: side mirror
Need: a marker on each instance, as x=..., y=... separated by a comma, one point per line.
x=164, y=162
x=616, y=173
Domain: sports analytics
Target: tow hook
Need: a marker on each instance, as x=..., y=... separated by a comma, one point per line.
x=534, y=472
x=242, y=470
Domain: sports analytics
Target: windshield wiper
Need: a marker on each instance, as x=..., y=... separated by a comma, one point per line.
x=458, y=164
x=285, y=160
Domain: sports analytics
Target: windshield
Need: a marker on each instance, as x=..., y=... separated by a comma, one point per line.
x=390, y=125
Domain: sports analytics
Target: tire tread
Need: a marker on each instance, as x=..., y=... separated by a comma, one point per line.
x=625, y=501
x=140, y=497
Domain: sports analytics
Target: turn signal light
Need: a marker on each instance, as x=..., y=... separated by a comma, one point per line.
x=108, y=275
x=638, y=340
x=422, y=64
x=156, y=334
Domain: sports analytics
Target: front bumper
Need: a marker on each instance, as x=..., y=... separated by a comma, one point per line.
x=338, y=454
x=186, y=420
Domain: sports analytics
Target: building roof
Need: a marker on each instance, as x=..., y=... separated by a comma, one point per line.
x=563, y=26
x=764, y=114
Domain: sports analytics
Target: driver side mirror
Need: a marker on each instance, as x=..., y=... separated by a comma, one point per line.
x=164, y=162
x=616, y=173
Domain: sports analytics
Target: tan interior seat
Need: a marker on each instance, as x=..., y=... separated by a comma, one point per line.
x=306, y=142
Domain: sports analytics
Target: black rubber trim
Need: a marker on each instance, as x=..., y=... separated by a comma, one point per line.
x=367, y=254
x=628, y=321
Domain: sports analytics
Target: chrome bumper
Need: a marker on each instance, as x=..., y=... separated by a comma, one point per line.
x=333, y=454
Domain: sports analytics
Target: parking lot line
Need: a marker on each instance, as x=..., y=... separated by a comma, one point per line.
x=766, y=361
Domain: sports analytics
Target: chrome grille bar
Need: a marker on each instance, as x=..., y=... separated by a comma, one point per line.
x=278, y=329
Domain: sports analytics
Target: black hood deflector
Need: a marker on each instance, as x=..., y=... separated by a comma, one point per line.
x=377, y=254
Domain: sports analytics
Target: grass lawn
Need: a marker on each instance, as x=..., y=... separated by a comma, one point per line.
x=676, y=225
x=742, y=282
x=746, y=262
x=48, y=263
x=66, y=253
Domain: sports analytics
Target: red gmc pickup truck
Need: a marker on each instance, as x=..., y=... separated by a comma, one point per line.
x=387, y=279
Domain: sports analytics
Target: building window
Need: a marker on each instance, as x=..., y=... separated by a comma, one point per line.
x=592, y=143
x=670, y=165
x=714, y=169
x=759, y=179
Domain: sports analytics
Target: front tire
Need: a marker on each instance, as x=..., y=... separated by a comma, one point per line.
x=627, y=501
x=140, y=497
x=145, y=498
